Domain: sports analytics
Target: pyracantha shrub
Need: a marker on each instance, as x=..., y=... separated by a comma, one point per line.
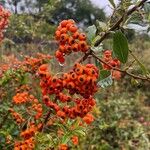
x=65, y=97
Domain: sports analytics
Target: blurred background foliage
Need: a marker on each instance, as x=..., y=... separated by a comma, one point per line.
x=122, y=112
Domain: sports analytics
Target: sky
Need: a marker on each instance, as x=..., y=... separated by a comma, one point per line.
x=104, y=4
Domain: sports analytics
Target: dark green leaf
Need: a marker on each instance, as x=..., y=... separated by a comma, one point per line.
x=98, y=64
x=120, y=46
x=104, y=74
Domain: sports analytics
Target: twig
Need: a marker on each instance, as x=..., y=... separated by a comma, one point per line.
x=123, y=71
x=117, y=24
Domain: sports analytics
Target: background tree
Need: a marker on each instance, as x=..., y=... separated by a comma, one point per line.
x=81, y=11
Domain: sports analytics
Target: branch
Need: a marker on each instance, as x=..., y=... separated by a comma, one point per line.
x=117, y=24
x=123, y=71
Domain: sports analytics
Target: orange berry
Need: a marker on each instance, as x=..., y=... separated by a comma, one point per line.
x=71, y=85
x=58, y=54
x=75, y=47
x=76, y=35
x=82, y=44
x=81, y=79
x=64, y=37
x=82, y=36
x=64, y=23
x=71, y=40
x=79, y=70
x=59, y=28
x=73, y=28
x=73, y=76
x=62, y=48
x=63, y=30
x=71, y=21
x=57, y=35
x=68, y=26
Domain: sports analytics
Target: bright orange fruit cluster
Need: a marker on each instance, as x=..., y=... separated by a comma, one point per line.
x=112, y=62
x=4, y=16
x=70, y=39
x=81, y=80
x=16, y=116
x=28, y=142
x=35, y=106
x=107, y=57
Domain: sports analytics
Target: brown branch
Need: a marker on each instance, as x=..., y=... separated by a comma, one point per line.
x=117, y=24
x=85, y=56
x=47, y=116
x=123, y=71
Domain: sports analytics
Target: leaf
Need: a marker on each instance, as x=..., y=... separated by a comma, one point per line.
x=66, y=138
x=112, y=3
x=97, y=49
x=79, y=132
x=120, y=46
x=91, y=33
x=105, y=82
x=147, y=7
x=102, y=26
x=104, y=74
x=98, y=64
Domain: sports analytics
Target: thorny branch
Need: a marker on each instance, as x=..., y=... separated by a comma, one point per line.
x=115, y=26
x=123, y=71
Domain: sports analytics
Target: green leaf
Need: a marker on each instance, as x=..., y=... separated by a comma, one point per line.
x=66, y=138
x=112, y=3
x=102, y=26
x=98, y=64
x=105, y=79
x=91, y=33
x=120, y=46
x=104, y=74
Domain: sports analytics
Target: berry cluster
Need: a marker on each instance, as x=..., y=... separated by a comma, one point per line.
x=81, y=80
x=4, y=16
x=21, y=98
x=112, y=63
x=28, y=142
x=70, y=39
x=16, y=116
x=25, y=97
x=31, y=64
